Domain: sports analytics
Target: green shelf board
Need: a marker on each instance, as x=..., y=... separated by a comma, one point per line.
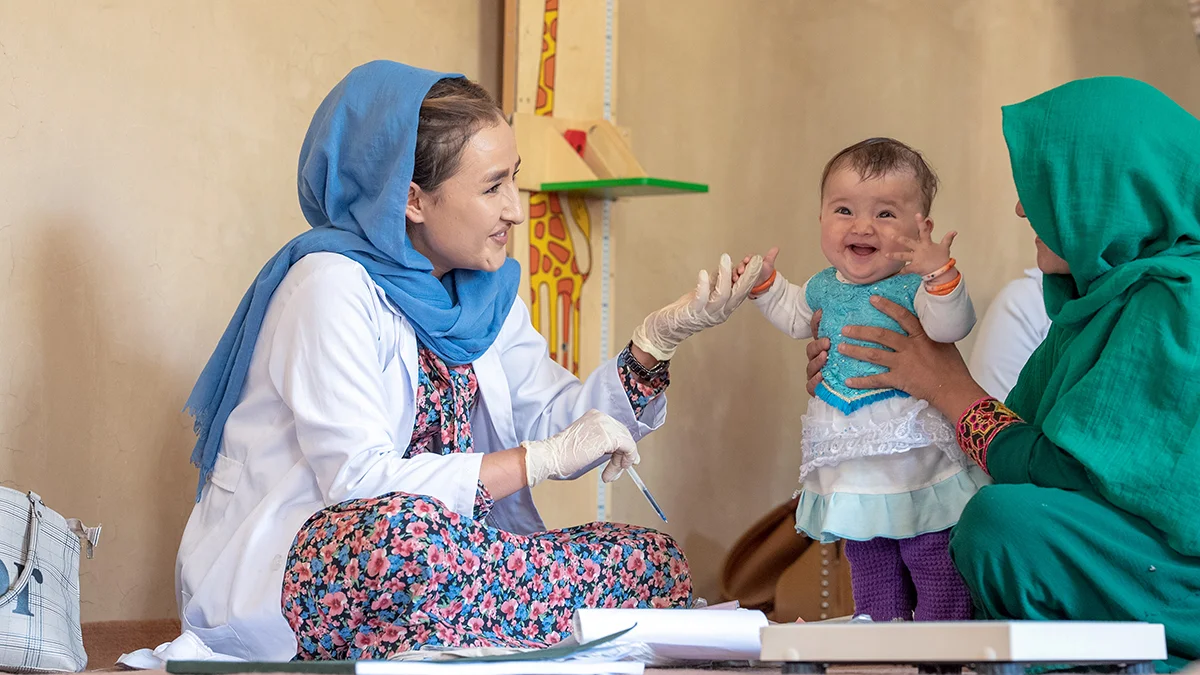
x=612, y=188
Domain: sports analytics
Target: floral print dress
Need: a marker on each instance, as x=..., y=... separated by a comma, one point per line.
x=370, y=578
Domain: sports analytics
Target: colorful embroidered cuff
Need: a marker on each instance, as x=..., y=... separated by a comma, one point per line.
x=641, y=390
x=980, y=424
x=483, y=502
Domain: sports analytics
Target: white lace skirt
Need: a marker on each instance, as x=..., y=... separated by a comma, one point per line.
x=891, y=469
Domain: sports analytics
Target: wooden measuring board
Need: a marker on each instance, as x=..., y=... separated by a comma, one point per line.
x=559, y=89
x=556, y=64
x=988, y=646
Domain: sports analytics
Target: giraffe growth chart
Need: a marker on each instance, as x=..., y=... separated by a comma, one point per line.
x=559, y=239
x=557, y=75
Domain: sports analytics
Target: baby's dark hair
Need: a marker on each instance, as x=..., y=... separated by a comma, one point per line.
x=877, y=157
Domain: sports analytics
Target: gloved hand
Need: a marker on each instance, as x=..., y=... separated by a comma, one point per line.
x=575, y=448
x=707, y=306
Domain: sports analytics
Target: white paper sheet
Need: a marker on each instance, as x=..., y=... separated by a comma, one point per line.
x=679, y=634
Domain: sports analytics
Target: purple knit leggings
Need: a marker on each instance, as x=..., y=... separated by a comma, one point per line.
x=907, y=578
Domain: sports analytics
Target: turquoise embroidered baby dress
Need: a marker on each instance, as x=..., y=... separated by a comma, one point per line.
x=876, y=463
x=850, y=305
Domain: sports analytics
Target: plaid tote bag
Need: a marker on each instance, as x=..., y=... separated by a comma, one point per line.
x=39, y=578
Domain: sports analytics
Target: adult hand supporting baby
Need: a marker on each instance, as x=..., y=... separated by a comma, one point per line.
x=708, y=305
x=917, y=365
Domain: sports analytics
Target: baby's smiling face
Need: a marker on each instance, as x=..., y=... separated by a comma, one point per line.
x=859, y=219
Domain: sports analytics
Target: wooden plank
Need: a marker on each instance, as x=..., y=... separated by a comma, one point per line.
x=546, y=157
x=508, y=73
x=607, y=154
x=528, y=52
x=579, y=66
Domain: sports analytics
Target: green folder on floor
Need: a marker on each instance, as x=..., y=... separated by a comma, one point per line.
x=350, y=667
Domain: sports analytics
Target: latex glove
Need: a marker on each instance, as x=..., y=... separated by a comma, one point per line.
x=767, y=269
x=707, y=306
x=578, y=446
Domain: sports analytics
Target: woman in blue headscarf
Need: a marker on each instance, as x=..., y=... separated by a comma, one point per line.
x=374, y=415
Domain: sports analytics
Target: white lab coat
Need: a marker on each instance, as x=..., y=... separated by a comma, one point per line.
x=326, y=415
x=1013, y=326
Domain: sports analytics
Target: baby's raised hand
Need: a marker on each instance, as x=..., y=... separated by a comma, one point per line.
x=923, y=254
x=768, y=267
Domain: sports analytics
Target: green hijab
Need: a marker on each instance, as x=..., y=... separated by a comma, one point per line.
x=1108, y=170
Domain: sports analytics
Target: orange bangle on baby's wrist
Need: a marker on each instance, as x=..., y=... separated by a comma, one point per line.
x=946, y=288
x=764, y=286
x=940, y=271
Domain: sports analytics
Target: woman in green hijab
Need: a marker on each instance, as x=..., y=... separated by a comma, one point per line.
x=1095, y=511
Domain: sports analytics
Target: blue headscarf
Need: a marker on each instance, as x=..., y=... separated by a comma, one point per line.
x=355, y=168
